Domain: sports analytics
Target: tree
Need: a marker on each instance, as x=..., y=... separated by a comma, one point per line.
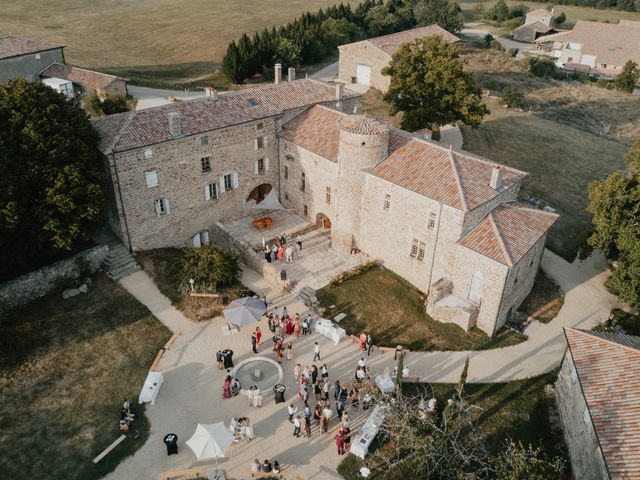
x=108, y=104
x=233, y=65
x=430, y=86
x=512, y=97
x=380, y=21
x=51, y=197
x=442, y=12
x=516, y=462
x=338, y=32
x=614, y=203
x=628, y=78
x=287, y=53
x=209, y=268
x=498, y=13
x=560, y=19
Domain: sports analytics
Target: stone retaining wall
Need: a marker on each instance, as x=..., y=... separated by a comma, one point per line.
x=40, y=282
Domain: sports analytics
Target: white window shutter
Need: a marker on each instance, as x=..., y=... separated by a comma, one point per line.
x=207, y=194
x=256, y=167
x=195, y=241
x=264, y=139
x=255, y=144
x=166, y=205
x=157, y=205
x=266, y=164
x=235, y=180
x=222, y=184
x=204, y=237
x=151, y=178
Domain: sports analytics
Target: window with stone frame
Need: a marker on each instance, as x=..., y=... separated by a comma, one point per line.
x=211, y=191
x=414, y=248
x=432, y=221
x=162, y=206
x=148, y=153
x=387, y=202
x=205, y=164
x=303, y=181
x=421, y=249
x=259, y=143
x=228, y=181
x=305, y=210
x=259, y=126
x=204, y=140
x=260, y=166
x=286, y=171
x=327, y=196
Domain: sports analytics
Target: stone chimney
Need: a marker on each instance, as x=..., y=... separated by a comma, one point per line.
x=339, y=95
x=211, y=93
x=277, y=73
x=291, y=74
x=174, y=124
x=496, y=179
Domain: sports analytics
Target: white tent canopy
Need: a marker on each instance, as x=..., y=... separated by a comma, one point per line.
x=210, y=441
x=270, y=202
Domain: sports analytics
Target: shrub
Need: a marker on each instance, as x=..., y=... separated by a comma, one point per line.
x=108, y=104
x=209, y=267
x=602, y=83
x=513, y=52
x=517, y=461
x=541, y=66
x=496, y=45
x=512, y=97
x=560, y=19
x=488, y=38
x=514, y=23
x=581, y=76
x=628, y=78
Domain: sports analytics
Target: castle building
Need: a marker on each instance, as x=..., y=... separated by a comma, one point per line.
x=447, y=221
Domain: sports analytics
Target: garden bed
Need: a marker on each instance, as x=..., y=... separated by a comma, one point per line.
x=384, y=304
x=64, y=377
x=163, y=265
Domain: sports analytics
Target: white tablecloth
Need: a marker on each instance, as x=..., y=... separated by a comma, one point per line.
x=328, y=329
x=151, y=387
x=385, y=383
x=362, y=441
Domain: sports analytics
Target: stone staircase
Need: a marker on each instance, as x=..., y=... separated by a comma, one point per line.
x=315, y=241
x=120, y=262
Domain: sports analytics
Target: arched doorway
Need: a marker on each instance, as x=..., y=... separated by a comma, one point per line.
x=258, y=193
x=323, y=222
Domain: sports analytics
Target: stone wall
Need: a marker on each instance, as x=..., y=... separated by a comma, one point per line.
x=586, y=458
x=30, y=65
x=45, y=280
x=366, y=54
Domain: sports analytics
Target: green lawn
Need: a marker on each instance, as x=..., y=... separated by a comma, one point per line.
x=64, y=377
x=519, y=410
x=383, y=303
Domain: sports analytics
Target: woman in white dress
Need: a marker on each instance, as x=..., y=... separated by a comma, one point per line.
x=257, y=397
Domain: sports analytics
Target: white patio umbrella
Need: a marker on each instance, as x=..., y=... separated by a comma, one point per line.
x=210, y=441
x=244, y=311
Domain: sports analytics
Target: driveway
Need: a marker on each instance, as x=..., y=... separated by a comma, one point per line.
x=505, y=42
x=154, y=97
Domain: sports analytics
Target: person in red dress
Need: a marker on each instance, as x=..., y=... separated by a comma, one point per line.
x=289, y=326
x=258, y=337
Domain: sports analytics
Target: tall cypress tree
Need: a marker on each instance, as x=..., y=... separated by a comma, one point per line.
x=232, y=64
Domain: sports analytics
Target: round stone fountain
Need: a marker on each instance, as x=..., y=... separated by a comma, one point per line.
x=260, y=371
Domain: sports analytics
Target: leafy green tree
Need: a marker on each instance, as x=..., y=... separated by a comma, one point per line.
x=108, y=104
x=338, y=32
x=628, y=78
x=51, y=197
x=287, y=53
x=379, y=21
x=233, y=64
x=209, y=268
x=517, y=462
x=541, y=66
x=498, y=13
x=560, y=19
x=614, y=203
x=442, y=12
x=430, y=86
x=512, y=97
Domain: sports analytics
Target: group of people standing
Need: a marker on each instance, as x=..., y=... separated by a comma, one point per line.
x=281, y=326
x=282, y=249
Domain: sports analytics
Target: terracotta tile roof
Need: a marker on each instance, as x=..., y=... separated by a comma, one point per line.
x=458, y=179
x=151, y=126
x=391, y=43
x=13, y=45
x=318, y=130
x=611, y=43
x=86, y=78
x=508, y=232
x=608, y=368
x=455, y=178
x=364, y=125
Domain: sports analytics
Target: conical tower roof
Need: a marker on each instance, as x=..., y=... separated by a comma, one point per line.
x=363, y=125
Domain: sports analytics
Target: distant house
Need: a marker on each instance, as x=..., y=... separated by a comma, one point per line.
x=600, y=49
x=27, y=57
x=362, y=62
x=545, y=17
x=598, y=390
x=36, y=59
x=87, y=81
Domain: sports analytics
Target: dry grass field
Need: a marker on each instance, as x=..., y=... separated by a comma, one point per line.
x=183, y=37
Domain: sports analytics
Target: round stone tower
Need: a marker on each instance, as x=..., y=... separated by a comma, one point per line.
x=364, y=142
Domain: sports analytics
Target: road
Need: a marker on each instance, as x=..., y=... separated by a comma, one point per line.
x=505, y=42
x=154, y=97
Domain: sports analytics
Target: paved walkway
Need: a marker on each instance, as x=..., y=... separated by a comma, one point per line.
x=191, y=392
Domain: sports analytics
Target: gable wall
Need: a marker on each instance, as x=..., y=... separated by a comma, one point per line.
x=366, y=54
x=28, y=65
